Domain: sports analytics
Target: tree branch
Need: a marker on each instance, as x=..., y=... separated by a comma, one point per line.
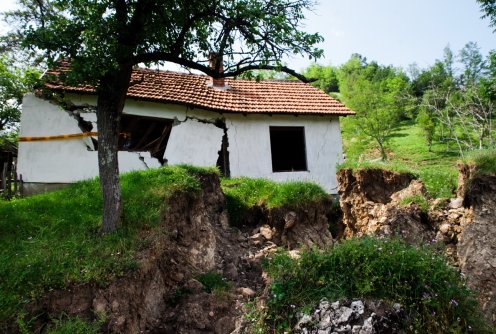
x=167, y=56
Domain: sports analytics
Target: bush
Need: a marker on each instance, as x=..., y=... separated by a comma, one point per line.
x=432, y=293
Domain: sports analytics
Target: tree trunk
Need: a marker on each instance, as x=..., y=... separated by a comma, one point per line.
x=111, y=97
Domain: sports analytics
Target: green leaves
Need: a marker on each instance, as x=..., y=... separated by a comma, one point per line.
x=14, y=83
x=99, y=36
x=376, y=93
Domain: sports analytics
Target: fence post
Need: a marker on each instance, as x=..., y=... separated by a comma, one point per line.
x=4, y=176
x=14, y=172
x=21, y=186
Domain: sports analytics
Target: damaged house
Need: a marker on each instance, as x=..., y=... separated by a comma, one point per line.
x=280, y=130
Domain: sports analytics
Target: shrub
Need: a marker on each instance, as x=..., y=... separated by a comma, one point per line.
x=432, y=293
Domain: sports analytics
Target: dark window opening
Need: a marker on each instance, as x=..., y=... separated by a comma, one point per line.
x=287, y=145
x=145, y=134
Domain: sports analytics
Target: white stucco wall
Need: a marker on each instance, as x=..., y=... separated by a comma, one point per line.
x=250, y=153
x=195, y=143
x=62, y=161
x=191, y=142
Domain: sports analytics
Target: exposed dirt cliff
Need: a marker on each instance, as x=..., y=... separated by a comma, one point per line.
x=477, y=246
x=163, y=295
x=373, y=203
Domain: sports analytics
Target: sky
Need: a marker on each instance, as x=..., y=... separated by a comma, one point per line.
x=391, y=32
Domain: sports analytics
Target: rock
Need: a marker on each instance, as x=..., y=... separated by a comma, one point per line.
x=194, y=286
x=357, y=307
x=289, y=220
x=256, y=237
x=231, y=272
x=305, y=319
x=351, y=317
x=266, y=232
x=444, y=228
x=246, y=292
x=345, y=315
x=456, y=203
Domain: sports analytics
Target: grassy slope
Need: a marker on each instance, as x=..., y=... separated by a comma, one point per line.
x=243, y=193
x=53, y=240
x=408, y=152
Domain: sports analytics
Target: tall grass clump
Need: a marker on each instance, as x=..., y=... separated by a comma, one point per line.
x=243, y=193
x=53, y=240
x=484, y=160
x=434, y=296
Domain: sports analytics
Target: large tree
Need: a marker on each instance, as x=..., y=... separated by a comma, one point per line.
x=489, y=9
x=104, y=39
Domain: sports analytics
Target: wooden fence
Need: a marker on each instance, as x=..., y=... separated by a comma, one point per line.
x=11, y=184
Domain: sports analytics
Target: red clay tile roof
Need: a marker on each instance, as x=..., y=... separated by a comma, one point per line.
x=242, y=96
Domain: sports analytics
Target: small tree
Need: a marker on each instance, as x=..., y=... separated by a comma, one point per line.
x=105, y=39
x=377, y=94
x=426, y=121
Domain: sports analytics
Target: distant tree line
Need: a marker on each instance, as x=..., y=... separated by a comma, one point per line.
x=452, y=101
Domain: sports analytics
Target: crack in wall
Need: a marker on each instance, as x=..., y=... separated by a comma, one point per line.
x=223, y=162
x=142, y=158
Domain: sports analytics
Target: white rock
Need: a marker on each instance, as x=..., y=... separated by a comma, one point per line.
x=367, y=327
x=345, y=313
x=324, y=304
x=358, y=307
x=266, y=232
x=356, y=329
x=305, y=319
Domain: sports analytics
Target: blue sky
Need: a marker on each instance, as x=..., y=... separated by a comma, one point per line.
x=396, y=32
x=392, y=32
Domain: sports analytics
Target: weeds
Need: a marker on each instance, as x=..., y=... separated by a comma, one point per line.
x=420, y=200
x=484, y=160
x=433, y=294
x=213, y=282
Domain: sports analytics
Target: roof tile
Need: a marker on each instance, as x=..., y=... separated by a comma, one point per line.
x=242, y=96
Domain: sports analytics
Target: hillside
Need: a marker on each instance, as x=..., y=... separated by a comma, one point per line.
x=407, y=152
x=199, y=256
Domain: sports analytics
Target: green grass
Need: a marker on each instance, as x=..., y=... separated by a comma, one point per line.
x=432, y=292
x=418, y=199
x=484, y=160
x=73, y=326
x=243, y=193
x=408, y=152
x=213, y=281
x=53, y=240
